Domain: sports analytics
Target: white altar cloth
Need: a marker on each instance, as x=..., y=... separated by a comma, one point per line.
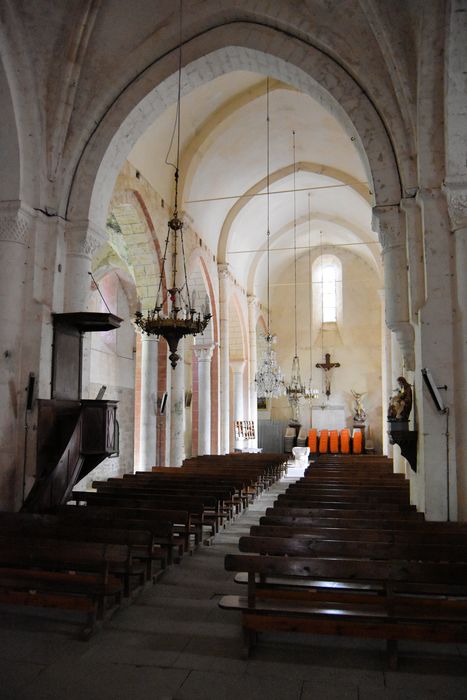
x=328, y=418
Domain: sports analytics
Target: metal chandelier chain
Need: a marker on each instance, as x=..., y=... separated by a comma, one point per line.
x=295, y=243
x=179, y=319
x=268, y=232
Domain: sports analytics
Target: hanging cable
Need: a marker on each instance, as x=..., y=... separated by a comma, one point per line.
x=268, y=232
x=176, y=126
x=295, y=243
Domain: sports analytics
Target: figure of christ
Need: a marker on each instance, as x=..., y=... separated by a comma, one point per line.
x=327, y=367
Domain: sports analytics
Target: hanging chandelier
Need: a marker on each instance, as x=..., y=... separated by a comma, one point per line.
x=174, y=315
x=268, y=379
x=295, y=389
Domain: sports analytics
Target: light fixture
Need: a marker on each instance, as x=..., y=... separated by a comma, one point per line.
x=268, y=379
x=311, y=391
x=174, y=315
x=295, y=390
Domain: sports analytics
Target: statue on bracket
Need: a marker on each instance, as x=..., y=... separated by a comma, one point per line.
x=400, y=404
x=359, y=413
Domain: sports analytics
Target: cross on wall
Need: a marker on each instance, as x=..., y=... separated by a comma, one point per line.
x=327, y=367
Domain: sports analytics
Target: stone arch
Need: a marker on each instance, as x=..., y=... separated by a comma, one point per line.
x=277, y=176
x=238, y=334
x=238, y=46
x=317, y=218
x=205, y=132
x=10, y=171
x=20, y=143
x=141, y=247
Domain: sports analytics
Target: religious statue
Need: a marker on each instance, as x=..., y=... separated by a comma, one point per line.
x=359, y=413
x=400, y=404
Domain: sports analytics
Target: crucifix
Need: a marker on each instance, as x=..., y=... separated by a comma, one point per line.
x=327, y=367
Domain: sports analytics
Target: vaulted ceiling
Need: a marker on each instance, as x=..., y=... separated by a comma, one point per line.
x=224, y=170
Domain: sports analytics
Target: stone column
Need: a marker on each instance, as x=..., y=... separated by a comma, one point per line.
x=177, y=410
x=237, y=368
x=435, y=351
x=15, y=227
x=204, y=355
x=148, y=420
x=456, y=193
x=253, y=355
x=397, y=366
x=82, y=241
x=224, y=299
x=415, y=256
x=385, y=377
x=387, y=222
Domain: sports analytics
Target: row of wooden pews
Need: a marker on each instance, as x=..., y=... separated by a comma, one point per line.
x=99, y=550
x=343, y=552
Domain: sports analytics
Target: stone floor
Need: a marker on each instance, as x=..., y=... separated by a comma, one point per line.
x=174, y=643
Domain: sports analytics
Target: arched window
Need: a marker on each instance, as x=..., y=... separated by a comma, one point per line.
x=329, y=293
x=327, y=289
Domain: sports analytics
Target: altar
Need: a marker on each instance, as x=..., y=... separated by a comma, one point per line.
x=328, y=418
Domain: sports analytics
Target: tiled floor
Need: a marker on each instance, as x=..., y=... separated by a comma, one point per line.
x=174, y=643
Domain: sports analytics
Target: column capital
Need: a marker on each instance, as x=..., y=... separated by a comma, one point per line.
x=204, y=352
x=237, y=366
x=147, y=338
x=223, y=270
x=83, y=238
x=409, y=204
x=15, y=221
x=251, y=300
x=456, y=196
x=386, y=223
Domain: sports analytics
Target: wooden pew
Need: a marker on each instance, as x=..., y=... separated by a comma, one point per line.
x=223, y=496
x=195, y=507
x=141, y=542
x=335, y=504
x=348, y=513
x=307, y=546
x=413, y=603
x=170, y=529
x=239, y=487
x=66, y=575
x=376, y=534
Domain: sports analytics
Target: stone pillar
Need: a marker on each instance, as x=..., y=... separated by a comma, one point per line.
x=253, y=355
x=435, y=351
x=456, y=193
x=82, y=241
x=237, y=368
x=15, y=227
x=385, y=377
x=224, y=299
x=387, y=222
x=415, y=256
x=397, y=366
x=204, y=355
x=148, y=420
x=177, y=410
